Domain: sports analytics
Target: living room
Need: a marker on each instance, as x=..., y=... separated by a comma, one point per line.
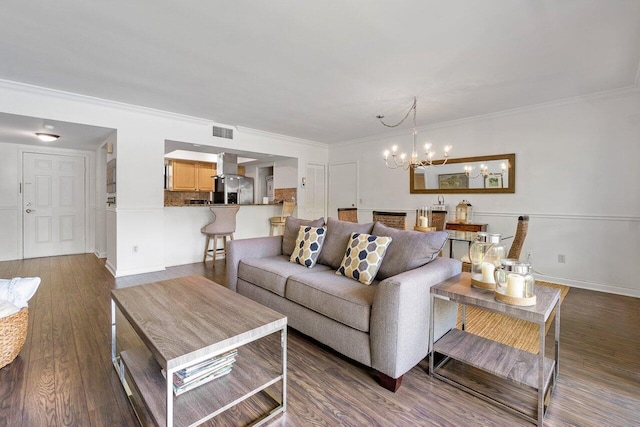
x=571, y=118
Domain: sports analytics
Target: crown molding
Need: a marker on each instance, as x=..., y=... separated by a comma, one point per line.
x=498, y=114
x=99, y=102
x=257, y=132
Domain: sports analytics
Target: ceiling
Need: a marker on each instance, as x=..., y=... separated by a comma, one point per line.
x=21, y=130
x=323, y=70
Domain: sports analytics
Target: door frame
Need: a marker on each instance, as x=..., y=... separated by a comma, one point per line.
x=90, y=191
x=357, y=168
x=325, y=202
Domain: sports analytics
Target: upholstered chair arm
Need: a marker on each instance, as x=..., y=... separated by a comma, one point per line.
x=257, y=247
x=399, y=328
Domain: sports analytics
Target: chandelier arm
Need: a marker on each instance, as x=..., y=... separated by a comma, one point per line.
x=413, y=107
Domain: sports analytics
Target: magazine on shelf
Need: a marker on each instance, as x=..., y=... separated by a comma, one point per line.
x=178, y=390
x=181, y=378
x=203, y=372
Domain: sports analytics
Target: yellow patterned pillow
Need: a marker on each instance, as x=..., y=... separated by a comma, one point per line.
x=363, y=257
x=308, y=245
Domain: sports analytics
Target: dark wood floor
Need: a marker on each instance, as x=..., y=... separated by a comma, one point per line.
x=63, y=376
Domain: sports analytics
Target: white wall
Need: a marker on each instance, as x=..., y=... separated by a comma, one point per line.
x=577, y=177
x=138, y=219
x=10, y=202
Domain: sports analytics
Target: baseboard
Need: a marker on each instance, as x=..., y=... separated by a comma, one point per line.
x=110, y=268
x=100, y=254
x=122, y=273
x=600, y=287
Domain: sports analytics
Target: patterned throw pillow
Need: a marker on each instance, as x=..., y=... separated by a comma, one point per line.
x=363, y=257
x=308, y=245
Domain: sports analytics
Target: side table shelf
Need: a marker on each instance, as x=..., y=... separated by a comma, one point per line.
x=495, y=358
x=513, y=379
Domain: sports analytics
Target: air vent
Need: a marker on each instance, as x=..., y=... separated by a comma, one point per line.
x=222, y=132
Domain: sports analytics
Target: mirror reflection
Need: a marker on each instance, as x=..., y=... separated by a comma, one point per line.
x=482, y=174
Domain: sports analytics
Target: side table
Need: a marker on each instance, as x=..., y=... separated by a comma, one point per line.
x=531, y=377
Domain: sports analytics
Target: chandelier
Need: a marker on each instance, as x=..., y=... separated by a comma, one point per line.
x=393, y=160
x=484, y=171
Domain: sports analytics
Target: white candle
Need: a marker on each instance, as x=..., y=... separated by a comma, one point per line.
x=265, y=200
x=424, y=221
x=515, y=285
x=487, y=272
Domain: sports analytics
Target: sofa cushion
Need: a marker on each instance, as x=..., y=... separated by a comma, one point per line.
x=338, y=235
x=337, y=297
x=308, y=245
x=271, y=273
x=291, y=229
x=363, y=257
x=408, y=250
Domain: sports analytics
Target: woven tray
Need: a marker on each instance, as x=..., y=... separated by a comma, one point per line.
x=13, y=333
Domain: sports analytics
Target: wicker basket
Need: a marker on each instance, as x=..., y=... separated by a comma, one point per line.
x=13, y=333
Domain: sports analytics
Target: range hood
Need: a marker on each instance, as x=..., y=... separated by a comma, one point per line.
x=227, y=165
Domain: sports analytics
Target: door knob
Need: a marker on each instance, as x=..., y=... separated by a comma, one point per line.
x=30, y=210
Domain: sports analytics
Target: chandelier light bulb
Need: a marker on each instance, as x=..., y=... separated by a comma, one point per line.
x=386, y=154
x=394, y=148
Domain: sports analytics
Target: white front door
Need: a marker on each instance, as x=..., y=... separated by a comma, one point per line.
x=343, y=187
x=53, y=205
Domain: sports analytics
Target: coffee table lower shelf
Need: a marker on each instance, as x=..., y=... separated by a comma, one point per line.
x=513, y=375
x=251, y=374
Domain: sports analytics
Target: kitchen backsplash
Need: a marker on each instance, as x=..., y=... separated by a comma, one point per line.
x=181, y=198
x=282, y=194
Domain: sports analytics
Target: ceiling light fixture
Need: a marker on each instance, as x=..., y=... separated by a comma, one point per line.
x=413, y=162
x=47, y=137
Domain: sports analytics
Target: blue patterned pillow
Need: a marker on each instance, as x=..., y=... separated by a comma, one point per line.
x=308, y=245
x=363, y=257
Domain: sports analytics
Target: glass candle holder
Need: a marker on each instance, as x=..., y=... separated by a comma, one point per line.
x=485, y=254
x=515, y=283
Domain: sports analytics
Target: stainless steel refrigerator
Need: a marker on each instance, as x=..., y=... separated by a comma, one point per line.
x=233, y=189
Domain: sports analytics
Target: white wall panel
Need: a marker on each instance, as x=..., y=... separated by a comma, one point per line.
x=10, y=231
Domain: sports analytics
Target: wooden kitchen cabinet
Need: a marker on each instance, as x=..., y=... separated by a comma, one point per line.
x=191, y=176
x=206, y=171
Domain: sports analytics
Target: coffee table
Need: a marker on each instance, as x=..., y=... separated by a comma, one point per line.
x=162, y=327
x=506, y=376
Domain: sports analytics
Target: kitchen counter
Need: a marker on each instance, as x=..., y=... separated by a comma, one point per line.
x=184, y=243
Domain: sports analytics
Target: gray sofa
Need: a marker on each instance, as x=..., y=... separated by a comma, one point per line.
x=384, y=325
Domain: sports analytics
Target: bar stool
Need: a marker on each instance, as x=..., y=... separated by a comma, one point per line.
x=277, y=222
x=223, y=225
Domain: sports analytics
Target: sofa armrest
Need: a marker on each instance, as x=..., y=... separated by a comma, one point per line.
x=400, y=315
x=256, y=247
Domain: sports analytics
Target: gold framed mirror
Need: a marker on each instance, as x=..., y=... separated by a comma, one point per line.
x=451, y=177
